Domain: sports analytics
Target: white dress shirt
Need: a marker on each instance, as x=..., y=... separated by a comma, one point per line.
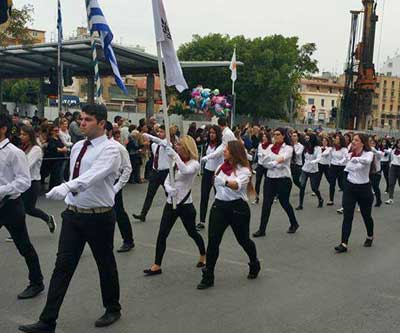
x=98, y=172
x=378, y=155
x=326, y=156
x=260, y=153
x=359, y=168
x=214, y=163
x=275, y=169
x=395, y=159
x=14, y=171
x=184, y=178
x=35, y=158
x=125, y=169
x=311, y=160
x=241, y=176
x=386, y=157
x=163, y=159
x=298, y=151
x=227, y=136
x=339, y=157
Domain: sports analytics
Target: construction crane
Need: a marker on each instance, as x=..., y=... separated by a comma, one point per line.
x=360, y=76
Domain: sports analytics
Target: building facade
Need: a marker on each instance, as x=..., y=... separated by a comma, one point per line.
x=37, y=36
x=391, y=67
x=321, y=96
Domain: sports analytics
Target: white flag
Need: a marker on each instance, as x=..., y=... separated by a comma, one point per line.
x=174, y=74
x=233, y=67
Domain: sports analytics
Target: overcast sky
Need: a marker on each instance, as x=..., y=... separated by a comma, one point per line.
x=325, y=22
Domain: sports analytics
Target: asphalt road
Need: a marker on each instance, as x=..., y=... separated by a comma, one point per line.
x=303, y=287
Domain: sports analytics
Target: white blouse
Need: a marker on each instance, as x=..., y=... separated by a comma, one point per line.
x=298, y=151
x=339, y=157
x=35, y=158
x=386, y=157
x=395, y=158
x=326, y=156
x=359, y=168
x=260, y=153
x=65, y=138
x=378, y=154
x=212, y=164
x=311, y=160
x=242, y=176
x=275, y=169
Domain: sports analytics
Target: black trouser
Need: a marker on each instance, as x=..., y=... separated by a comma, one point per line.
x=375, y=182
x=323, y=169
x=260, y=173
x=135, y=175
x=30, y=197
x=362, y=195
x=157, y=179
x=229, y=213
x=55, y=174
x=12, y=217
x=280, y=187
x=78, y=229
x=207, y=182
x=394, y=176
x=124, y=224
x=335, y=173
x=296, y=173
x=187, y=213
x=385, y=168
x=314, y=180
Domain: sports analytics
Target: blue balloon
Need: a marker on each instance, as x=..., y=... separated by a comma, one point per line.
x=192, y=103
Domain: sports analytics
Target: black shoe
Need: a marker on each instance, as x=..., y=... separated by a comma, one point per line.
x=207, y=281
x=39, y=327
x=126, y=247
x=320, y=203
x=292, y=229
x=368, y=242
x=140, y=217
x=200, y=226
x=300, y=207
x=259, y=233
x=31, y=291
x=107, y=319
x=52, y=224
x=330, y=203
x=200, y=264
x=378, y=204
x=254, y=269
x=341, y=248
x=149, y=272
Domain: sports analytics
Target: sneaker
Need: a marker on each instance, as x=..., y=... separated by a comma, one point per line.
x=139, y=217
x=313, y=194
x=330, y=203
x=341, y=248
x=389, y=202
x=9, y=240
x=52, y=224
x=31, y=291
x=200, y=226
x=340, y=211
x=368, y=242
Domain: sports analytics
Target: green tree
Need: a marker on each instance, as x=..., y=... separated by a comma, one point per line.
x=21, y=91
x=17, y=26
x=273, y=66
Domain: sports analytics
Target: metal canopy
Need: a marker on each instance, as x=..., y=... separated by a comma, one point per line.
x=36, y=61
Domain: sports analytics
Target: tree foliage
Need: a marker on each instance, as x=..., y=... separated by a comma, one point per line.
x=17, y=26
x=21, y=91
x=273, y=66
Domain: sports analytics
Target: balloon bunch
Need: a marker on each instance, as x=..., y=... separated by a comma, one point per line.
x=210, y=102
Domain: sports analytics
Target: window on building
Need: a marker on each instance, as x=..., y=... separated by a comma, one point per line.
x=390, y=123
x=383, y=107
x=322, y=102
x=377, y=84
x=390, y=64
x=330, y=90
x=397, y=124
x=333, y=103
x=318, y=88
x=391, y=107
x=392, y=84
x=311, y=101
x=116, y=93
x=382, y=122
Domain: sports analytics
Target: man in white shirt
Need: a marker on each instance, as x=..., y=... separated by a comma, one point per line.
x=158, y=174
x=88, y=218
x=15, y=180
x=124, y=224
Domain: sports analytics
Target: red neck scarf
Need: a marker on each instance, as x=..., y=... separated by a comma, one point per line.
x=265, y=145
x=276, y=148
x=323, y=148
x=25, y=147
x=227, y=168
x=212, y=144
x=397, y=151
x=354, y=154
x=337, y=147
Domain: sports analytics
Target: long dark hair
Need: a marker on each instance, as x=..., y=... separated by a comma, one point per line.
x=366, y=147
x=285, y=134
x=218, y=131
x=31, y=134
x=342, y=142
x=311, y=144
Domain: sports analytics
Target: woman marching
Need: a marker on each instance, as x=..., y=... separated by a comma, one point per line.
x=187, y=167
x=394, y=171
x=265, y=142
x=34, y=156
x=213, y=142
x=338, y=163
x=297, y=161
x=278, y=181
x=358, y=190
x=376, y=176
x=312, y=156
x=232, y=182
x=385, y=161
x=325, y=161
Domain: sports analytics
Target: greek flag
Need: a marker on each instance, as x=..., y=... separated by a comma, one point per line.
x=59, y=23
x=98, y=23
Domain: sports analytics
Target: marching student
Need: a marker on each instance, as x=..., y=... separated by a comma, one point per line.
x=214, y=140
x=338, y=163
x=124, y=224
x=89, y=218
x=394, y=171
x=232, y=182
x=15, y=180
x=325, y=161
x=187, y=167
x=358, y=190
x=297, y=161
x=278, y=181
x=159, y=171
x=312, y=156
x=34, y=156
x=385, y=161
x=265, y=142
x=375, y=177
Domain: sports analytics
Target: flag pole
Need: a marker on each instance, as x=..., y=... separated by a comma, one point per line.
x=234, y=104
x=165, y=112
x=97, y=80
x=59, y=62
x=233, y=68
